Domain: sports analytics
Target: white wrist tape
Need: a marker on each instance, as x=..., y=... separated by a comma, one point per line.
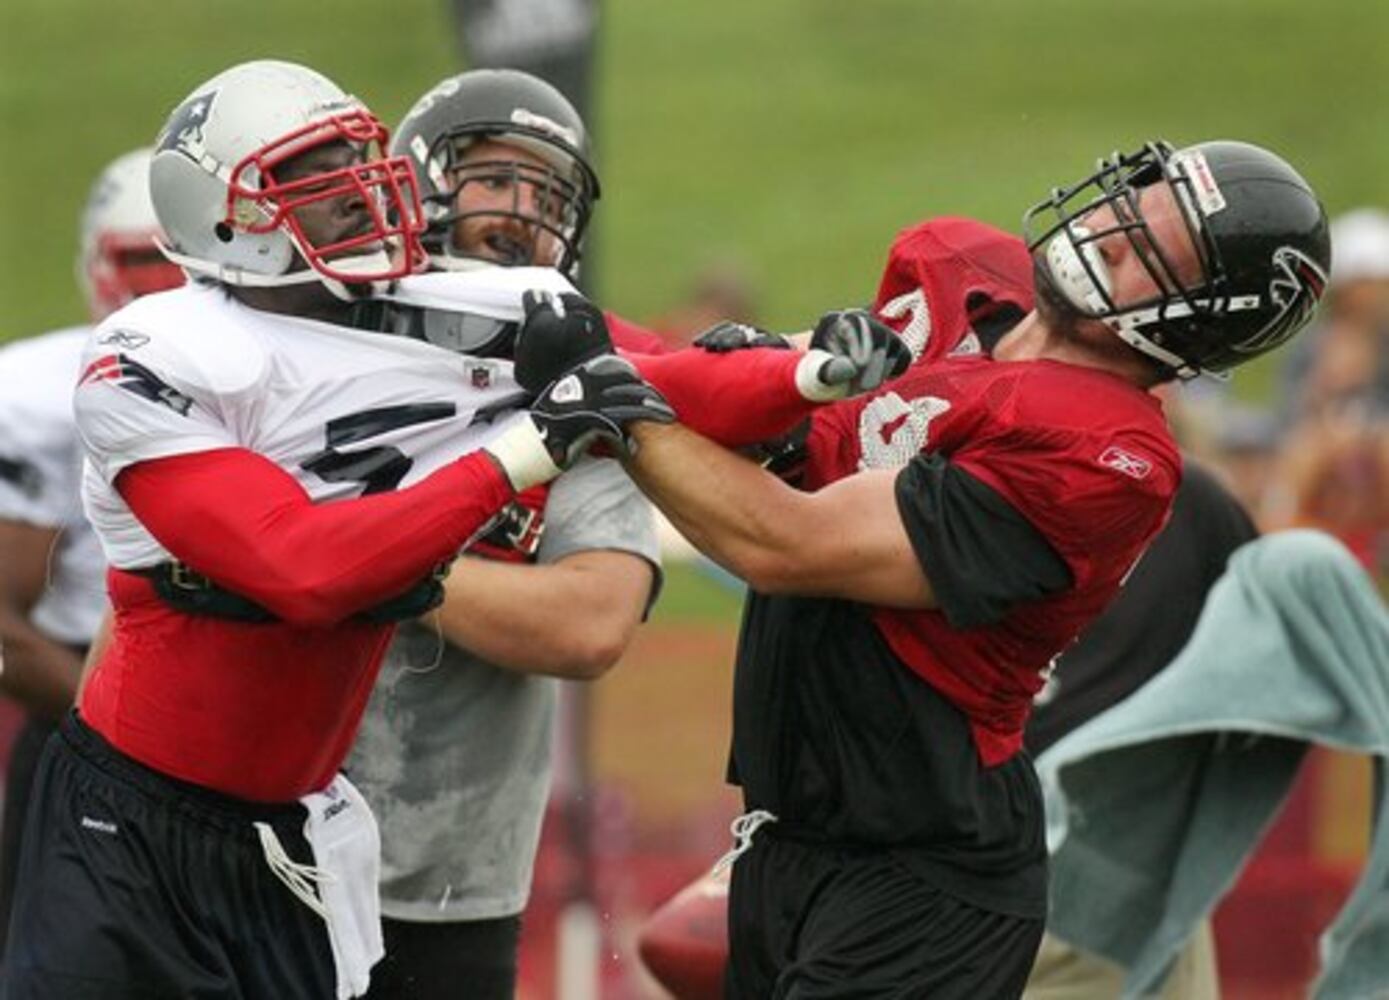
x=521, y=452
x=808, y=380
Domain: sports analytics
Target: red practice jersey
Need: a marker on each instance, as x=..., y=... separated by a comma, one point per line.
x=948, y=279
x=1083, y=455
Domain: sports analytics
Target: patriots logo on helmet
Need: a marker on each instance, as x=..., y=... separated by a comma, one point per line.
x=184, y=133
x=1296, y=288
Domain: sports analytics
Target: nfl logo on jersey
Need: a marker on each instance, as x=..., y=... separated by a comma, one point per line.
x=480, y=376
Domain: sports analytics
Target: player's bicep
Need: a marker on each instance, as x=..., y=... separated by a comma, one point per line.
x=855, y=546
x=981, y=554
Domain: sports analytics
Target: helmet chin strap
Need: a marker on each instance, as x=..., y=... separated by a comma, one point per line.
x=228, y=274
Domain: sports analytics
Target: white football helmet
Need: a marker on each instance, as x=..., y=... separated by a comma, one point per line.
x=118, y=260
x=230, y=218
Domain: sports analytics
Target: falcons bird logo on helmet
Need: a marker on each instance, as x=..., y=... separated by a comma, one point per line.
x=1295, y=290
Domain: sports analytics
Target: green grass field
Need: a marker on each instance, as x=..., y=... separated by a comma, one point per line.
x=794, y=135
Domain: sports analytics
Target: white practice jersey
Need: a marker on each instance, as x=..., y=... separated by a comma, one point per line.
x=41, y=473
x=343, y=411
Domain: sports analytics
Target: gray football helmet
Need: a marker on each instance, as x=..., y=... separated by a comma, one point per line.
x=517, y=109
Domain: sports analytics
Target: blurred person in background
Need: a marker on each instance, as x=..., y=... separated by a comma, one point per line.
x=51, y=568
x=720, y=292
x=1346, y=356
x=1333, y=468
x=454, y=752
x=902, y=847
x=1333, y=474
x=1138, y=635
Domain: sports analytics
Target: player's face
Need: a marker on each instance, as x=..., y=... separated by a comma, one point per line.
x=333, y=219
x=1131, y=280
x=498, y=202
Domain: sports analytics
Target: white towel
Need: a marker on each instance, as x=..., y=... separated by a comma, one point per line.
x=345, y=874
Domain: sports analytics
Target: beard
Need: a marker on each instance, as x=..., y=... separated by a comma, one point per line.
x=1054, y=309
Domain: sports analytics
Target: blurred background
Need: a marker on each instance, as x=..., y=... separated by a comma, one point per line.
x=756, y=160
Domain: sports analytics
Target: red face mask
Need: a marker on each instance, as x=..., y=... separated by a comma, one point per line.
x=385, y=185
x=124, y=266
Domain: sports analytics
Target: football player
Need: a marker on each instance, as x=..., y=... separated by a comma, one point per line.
x=273, y=486
x=454, y=751
x=51, y=594
x=957, y=529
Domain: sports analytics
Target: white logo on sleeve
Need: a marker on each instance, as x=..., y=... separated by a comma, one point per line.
x=1134, y=466
x=99, y=825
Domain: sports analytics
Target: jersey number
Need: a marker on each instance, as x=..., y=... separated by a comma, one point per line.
x=917, y=331
x=893, y=431
x=379, y=468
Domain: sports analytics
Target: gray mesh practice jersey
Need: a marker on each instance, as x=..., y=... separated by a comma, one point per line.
x=454, y=754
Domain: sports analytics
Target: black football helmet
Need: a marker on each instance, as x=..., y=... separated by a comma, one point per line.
x=1260, y=233
x=512, y=107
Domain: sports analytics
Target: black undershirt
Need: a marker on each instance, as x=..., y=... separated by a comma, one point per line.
x=848, y=746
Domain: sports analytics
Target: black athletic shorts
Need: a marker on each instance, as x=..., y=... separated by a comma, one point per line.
x=816, y=921
x=19, y=785
x=134, y=886
x=475, y=959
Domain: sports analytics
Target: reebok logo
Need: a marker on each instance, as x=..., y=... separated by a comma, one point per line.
x=336, y=808
x=1126, y=462
x=99, y=825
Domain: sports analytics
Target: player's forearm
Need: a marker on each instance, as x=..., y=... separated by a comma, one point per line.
x=246, y=524
x=38, y=673
x=735, y=399
x=728, y=507
x=571, y=619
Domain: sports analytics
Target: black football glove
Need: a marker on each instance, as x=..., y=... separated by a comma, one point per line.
x=728, y=336
x=863, y=351
x=597, y=401
x=559, y=333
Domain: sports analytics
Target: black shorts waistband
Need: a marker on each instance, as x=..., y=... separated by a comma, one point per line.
x=215, y=808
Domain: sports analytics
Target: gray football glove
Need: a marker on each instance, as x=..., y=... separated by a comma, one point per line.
x=593, y=405
x=864, y=352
